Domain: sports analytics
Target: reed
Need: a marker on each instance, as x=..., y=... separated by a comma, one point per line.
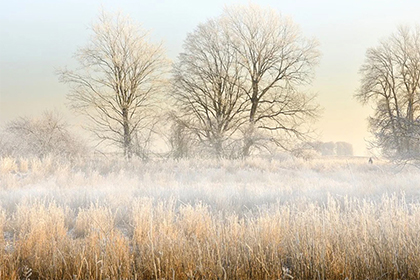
x=172, y=225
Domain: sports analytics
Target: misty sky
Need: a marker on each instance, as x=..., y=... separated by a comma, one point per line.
x=36, y=37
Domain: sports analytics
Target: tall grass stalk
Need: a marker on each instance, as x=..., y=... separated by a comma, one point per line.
x=218, y=220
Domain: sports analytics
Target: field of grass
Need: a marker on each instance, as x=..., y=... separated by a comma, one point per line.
x=260, y=218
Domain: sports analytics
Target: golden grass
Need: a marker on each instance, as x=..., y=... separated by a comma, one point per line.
x=7, y=165
x=142, y=233
x=345, y=239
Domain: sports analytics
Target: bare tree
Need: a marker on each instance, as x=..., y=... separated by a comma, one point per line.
x=391, y=80
x=46, y=135
x=276, y=59
x=208, y=87
x=118, y=81
x=181, y=139
x=241, y=72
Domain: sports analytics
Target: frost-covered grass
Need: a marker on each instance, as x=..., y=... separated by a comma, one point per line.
x=253, y=219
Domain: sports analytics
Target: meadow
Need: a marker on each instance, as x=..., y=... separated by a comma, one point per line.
x=260, y=218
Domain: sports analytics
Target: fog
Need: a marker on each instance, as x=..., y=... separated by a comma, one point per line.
x=39, y=37
x=160, y=215
x=209, y=140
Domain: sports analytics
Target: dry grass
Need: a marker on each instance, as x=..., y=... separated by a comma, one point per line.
x=216, y=221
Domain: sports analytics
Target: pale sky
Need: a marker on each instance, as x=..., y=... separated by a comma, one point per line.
x=36, y=37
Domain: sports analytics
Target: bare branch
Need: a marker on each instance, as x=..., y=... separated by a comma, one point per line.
x=120, y=72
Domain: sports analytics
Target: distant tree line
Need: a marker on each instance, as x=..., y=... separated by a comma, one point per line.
x=332, y=148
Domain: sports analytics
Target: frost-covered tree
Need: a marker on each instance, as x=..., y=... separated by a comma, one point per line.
x=208, y=87
x=243, y=71
x=41, y=136
x=118, y=81
x=276, y=59
x=391, y=81
x=182, y=140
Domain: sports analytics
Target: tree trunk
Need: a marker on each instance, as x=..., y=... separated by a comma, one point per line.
x=248, y=140
x=249, y=134
x=218, y=148
x=127, y=134
x=254, y=102
x=410, y=126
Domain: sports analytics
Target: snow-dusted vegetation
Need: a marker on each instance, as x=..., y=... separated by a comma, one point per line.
x=260, y=218
x=209, y=166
